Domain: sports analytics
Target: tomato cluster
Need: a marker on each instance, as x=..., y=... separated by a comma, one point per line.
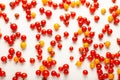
x=97, y=61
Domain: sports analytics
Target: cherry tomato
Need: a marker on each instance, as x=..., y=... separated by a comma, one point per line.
x=33, y=3
x=59, y=45
x=13, y=27
x=21, y=60
x=65, y=66
x=66, y=72
x=43, y=22
x=23, y=37
x=58, y=37
x=53, y=43
x=4, y=59
x=87, y=4
x=96, y=18
x=49, y=31
x=45, y=73
x=53, y=73
x=73, y=14
x=18, y=74
x=16, y=15
x=9, y=56
x=32, y=60
x=55, y=5
x=37, y=36
x=12, y=5
x=92, y=9
x=24, y=75
x=66, y=34
x=11, y=51
x=41, y=10
x=38, y=72
x=48, y=13
x=50, y=2
x=85, y=72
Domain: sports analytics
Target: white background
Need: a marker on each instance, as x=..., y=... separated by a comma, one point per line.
x=62, y=56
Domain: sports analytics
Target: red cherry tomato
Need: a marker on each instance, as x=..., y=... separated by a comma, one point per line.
x=48, y=13
x=45, y=73
x=4, y=59
x=38, y=72
x=85, y=72
x=13, y=27
x=24, y=75
x=32, y=60
x=41, y=10
x=58, y=37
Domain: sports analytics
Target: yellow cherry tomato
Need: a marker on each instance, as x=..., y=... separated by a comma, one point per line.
x=49, y=49
x=66, y=6
x=33, y=14
x=96, y=61
x=103, y=11
x=72, y=4
x=79, y=31
x=118, y=71
x=16, y=59
x=78, y=63
x=106, y=60
x=78, y=3
x=23, y=45
x=42, y=68
x=42, y=43
x=86, y=33
x=118, y=11
x=107, y=44
x=92, y=65
x=110, y=19
x=111, y=76
x=44, y=2
x=85, y=45
x=56, y=26
x=49, y=59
